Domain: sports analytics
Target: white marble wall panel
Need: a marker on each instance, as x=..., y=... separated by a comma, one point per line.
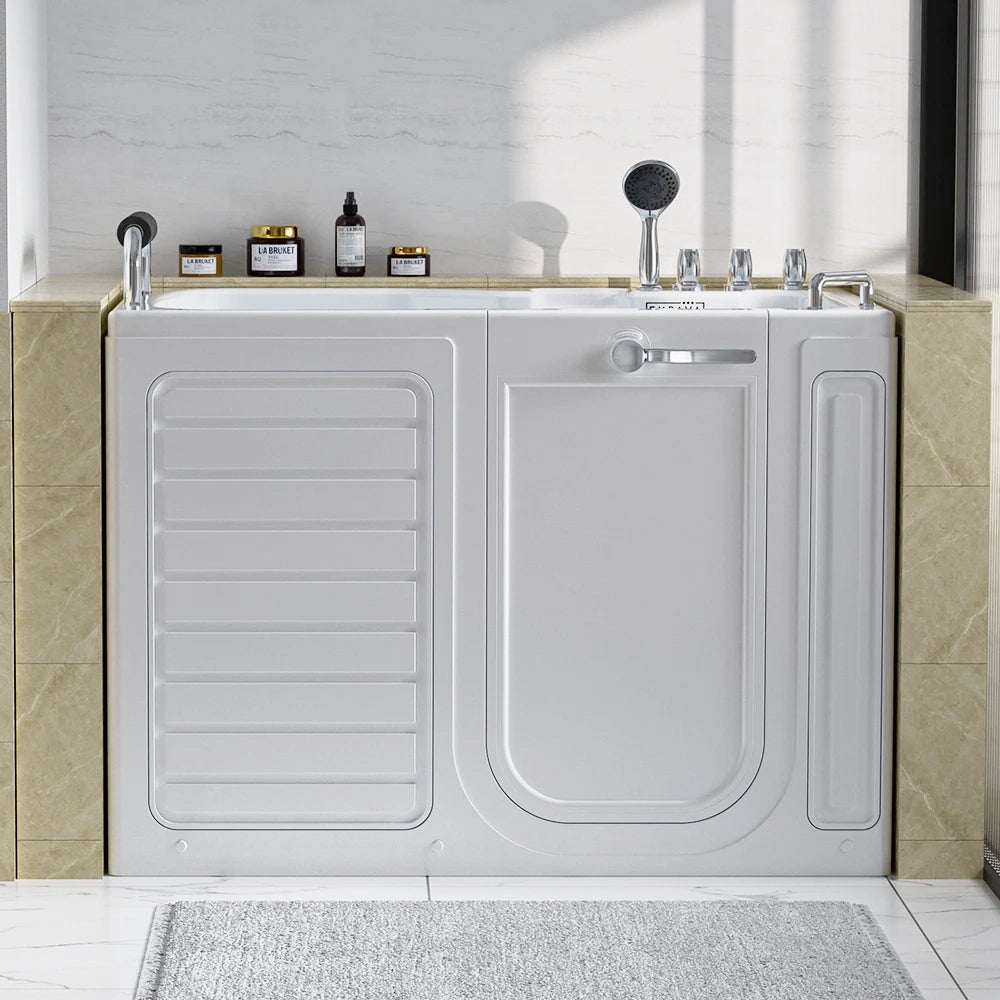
x=27, y=220
x=495, y=132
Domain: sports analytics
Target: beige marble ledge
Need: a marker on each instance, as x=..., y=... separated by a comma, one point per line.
x=470, y=281
x=498, y=282
x=916, y=293
x=69, y=293
x=44, y=859
x=941, y=728
x=60, y=751
x=939, y=859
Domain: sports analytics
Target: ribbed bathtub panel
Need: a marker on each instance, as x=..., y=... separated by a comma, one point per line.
x=985, y=281
x=290, y=592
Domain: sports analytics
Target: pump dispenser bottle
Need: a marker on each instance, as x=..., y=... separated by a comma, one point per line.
x=349, y=240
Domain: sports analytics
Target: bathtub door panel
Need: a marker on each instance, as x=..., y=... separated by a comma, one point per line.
x=627, y=639
x=290, y=599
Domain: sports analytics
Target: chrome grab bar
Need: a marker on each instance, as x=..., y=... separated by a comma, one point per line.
x=862, y=280
x=629, y=355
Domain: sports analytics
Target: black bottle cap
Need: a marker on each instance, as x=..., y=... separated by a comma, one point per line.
x=350, y=204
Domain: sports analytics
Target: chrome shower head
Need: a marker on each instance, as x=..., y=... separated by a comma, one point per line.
x=650, y=186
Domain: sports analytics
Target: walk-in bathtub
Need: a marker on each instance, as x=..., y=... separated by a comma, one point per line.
x=457, y=582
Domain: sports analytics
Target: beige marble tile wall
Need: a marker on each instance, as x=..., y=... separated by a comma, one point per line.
x=58, y=606
x=942, y=596
x=7, y=821
x=941, y=647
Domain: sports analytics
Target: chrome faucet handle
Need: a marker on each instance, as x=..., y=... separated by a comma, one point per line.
x=740, y=270
x=795, y=270
x=688, y=271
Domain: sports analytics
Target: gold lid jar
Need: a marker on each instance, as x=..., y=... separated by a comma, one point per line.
x=275, y=252
x=274, y=232
x=408, y=262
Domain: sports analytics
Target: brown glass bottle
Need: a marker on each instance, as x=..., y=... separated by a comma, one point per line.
x=350, y=241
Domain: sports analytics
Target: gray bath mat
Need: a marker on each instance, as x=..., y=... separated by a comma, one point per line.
x=727, y=950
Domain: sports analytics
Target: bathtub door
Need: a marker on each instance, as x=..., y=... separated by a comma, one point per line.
x=625, y=673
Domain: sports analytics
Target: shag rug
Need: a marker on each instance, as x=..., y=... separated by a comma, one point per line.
x=726, y=950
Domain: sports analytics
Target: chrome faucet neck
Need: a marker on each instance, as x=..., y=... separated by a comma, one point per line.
x=132, y=273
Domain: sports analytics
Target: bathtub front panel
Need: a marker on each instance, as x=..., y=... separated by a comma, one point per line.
x=450, y=592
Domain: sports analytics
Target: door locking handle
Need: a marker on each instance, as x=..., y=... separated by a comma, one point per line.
x=629, y=355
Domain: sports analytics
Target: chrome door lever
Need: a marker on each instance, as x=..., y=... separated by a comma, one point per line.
x=628, y=355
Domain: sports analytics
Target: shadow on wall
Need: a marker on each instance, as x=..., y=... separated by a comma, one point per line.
x=218, y=116
x=29, y=264
x=545, y=226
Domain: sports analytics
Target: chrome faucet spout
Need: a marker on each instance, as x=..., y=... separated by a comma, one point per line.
x=136, y=233
x=132, y=270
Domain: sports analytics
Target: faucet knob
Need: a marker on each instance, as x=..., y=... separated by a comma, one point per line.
x=795, y=270
x=740, y=270
x=688, y=271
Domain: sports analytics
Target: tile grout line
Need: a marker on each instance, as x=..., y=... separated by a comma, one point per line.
x=920, y=928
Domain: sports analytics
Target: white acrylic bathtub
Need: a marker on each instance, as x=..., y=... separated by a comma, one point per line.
x=326, y=299
x=420, y=581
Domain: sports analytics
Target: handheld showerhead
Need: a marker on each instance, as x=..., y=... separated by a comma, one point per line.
x=650, y=186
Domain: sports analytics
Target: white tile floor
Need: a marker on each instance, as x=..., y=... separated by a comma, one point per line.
x=66, y=939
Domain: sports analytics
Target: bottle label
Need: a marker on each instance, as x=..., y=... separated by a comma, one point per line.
x=408, y=266
x=198, y=265
x=350, y=246
x=274, y=257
